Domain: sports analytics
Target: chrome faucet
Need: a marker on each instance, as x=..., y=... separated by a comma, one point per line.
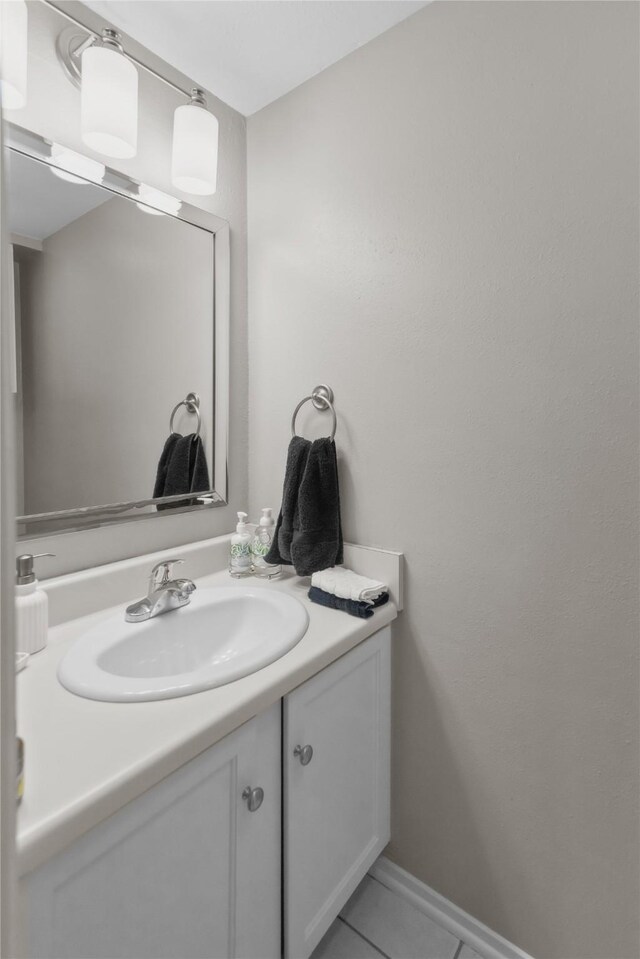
x=164, y=594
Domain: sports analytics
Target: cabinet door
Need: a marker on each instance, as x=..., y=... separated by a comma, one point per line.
x=337, y=802
x=186, y=871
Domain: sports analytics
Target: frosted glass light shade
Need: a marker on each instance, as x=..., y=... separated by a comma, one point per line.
x=74, y=167
x=13, y=53
x=194, y=167
x=109, y=102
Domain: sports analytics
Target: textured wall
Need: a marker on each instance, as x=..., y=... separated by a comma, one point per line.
x=444, y=227
x=53, y=110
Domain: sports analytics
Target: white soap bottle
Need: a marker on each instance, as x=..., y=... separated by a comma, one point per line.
x=32, y=607
x=261, y=544
x=240, y=559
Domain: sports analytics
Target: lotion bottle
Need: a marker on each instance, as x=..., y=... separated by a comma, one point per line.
x=240, y=560
x=32, y=607
x=261, y=544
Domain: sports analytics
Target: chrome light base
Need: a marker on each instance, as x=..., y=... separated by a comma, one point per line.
x=71, y=44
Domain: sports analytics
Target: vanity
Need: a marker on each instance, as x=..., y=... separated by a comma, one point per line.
x=235, y=822
x=235, y=817
x=232, y=814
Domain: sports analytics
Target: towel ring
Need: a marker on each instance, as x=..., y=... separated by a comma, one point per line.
x=322, y=399
x=192, y=403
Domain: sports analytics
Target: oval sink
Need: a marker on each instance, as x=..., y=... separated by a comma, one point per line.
x=223, y=634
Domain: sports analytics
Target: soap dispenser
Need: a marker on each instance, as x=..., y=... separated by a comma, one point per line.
x=240, y=560
x=32, y=606
x=261, y=544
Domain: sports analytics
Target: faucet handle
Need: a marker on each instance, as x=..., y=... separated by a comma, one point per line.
x=161, y=573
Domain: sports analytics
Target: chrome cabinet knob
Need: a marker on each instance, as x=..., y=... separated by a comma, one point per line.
x=304, y=753
x=253, y=797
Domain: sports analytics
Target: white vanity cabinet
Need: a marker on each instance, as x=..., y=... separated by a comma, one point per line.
x=336, y=758
x=186, y=871
x=201, y=867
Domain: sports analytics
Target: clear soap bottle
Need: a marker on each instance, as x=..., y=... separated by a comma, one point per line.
x=240, y=559
x=261, y=544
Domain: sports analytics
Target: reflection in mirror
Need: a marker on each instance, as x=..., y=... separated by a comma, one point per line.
x=114, y=321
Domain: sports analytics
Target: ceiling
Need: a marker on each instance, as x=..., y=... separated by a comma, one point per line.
x=250, y=52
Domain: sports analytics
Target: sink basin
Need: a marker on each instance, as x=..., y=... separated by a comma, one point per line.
x=223, y=634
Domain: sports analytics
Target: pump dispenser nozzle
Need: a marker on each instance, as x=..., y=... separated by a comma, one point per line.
x=24, y=567
x=267, y=519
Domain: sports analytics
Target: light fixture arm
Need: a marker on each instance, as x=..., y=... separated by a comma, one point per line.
x=113, y=132
x=74, y=40
x=71, y=44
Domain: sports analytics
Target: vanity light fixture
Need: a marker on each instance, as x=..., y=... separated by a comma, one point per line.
x=108, y=79
x=74, y=167
x=156, y=202
x=194, y=166
x=109, y=98
x=13, y=53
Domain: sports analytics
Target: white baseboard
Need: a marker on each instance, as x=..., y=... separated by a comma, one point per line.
x=458, y=922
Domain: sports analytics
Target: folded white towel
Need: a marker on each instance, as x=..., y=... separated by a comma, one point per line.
x=348, y=585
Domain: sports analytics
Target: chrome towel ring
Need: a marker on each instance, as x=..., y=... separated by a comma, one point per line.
x=192, y=403
x=322, y=399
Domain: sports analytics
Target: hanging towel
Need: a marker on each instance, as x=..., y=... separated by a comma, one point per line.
x=163, y=465
x=280, y=551
x=317, y=537
x=351, y=606
x=349, y=585
x=186, y=471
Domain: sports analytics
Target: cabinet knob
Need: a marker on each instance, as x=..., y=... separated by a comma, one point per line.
x=304, y=753
x=254, y=797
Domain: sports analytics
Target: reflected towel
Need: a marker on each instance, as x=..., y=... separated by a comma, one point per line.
x=186, y=470
x=163, y=465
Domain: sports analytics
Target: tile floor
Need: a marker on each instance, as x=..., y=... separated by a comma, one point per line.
x=376, y=923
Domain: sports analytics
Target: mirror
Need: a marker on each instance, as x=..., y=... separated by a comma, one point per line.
x=121, y=338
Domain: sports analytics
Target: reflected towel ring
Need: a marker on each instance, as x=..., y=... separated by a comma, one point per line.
x=192, y=403
x=322, y=399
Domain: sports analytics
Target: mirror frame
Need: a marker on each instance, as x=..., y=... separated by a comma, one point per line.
x=38, y=148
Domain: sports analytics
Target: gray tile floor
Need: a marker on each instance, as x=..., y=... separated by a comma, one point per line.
x=376, y=923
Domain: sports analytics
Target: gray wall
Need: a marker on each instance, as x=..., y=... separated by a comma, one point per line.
x=53, y=110
x=116, y=329
x=444, y=227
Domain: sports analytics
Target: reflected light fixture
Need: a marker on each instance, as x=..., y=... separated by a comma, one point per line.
x=74, y=167
x=194, y=166
x=156, y=202
x=109, y=98
x=13, y=53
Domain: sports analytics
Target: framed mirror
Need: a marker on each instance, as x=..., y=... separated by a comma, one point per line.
x=121, y=353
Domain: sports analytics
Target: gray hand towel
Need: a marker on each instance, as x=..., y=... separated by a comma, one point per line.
x=163, y=465
x=186, y=470
x=317, y=536
x=280, y=551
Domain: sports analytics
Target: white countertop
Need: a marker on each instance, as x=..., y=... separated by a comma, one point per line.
x=85, y=759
